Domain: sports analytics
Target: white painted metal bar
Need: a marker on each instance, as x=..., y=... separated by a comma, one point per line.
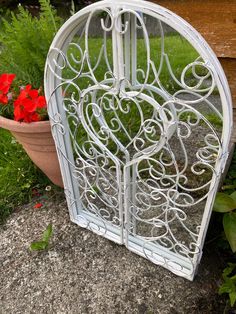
x=141, y=161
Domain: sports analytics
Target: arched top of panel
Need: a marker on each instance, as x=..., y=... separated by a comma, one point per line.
x=141, y=114
x=91, y=21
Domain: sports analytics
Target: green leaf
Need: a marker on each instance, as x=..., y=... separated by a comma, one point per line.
x=229, y=223
x=224, y=203
x=233, y=196
x=47, y=233
x=38, y=245
x=232, y=297
x=228, y=270
x=225, y=287
x=96, y=189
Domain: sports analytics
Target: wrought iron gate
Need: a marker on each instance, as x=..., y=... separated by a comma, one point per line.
x=141, y=116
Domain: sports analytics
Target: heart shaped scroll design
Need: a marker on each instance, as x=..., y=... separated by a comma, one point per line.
x=138, y=128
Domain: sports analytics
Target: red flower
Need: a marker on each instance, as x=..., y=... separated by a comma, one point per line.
x=42, y=102
x=5, y=84
x=28, y=104
x=38, y=205
x=3, y=98
x=21, y=114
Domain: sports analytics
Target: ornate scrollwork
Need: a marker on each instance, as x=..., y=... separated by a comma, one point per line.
x=139, y=147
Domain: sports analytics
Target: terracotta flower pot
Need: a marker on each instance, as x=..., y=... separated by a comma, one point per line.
x=36, y=139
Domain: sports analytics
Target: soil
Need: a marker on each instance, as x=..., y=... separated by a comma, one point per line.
x=82, y=272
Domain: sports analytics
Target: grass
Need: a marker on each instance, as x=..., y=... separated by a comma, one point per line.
x=180, y=54
x=179, y=51
x=18, y=175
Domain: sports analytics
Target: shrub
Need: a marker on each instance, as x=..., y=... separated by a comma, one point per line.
x=24, y=43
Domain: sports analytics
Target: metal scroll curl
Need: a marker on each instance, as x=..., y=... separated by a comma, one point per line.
x=138, y=119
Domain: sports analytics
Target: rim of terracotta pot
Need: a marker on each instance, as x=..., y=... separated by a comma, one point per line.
x=33, y=127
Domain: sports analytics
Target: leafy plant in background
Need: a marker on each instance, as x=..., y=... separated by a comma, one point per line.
x=225, y=203
x=18, y=175
x=24, y=43
x=43, y=244
x=229, y=284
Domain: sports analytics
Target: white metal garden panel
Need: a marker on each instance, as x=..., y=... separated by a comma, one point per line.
x=141, y=116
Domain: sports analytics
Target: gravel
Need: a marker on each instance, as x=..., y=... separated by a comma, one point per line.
x=84, y=273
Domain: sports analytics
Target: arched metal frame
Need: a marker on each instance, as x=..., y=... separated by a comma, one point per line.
x=121, y=185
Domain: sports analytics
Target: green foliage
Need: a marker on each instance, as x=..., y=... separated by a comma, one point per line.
x=224, y=203
x=229, y=223
x=180, y=54
x=18, y=175
x=179, y=51
x=44, y=242
x=233, y=196
x=24, y=43
x=229, y=185
x=229, y=284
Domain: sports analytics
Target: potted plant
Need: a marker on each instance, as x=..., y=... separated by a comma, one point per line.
x=23, y=112
x=24, y=43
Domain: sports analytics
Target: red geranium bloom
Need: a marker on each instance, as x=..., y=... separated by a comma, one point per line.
x=3, y=99
x=38, y=205
x=21, y=114
x=27, y=99
x=29, y=106
x=42, y=102
x=5, y=82
x=27, y=103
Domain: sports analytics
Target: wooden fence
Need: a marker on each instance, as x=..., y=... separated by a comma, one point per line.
x=216, y=21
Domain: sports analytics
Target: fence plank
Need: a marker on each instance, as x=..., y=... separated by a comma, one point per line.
x=215, y=20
